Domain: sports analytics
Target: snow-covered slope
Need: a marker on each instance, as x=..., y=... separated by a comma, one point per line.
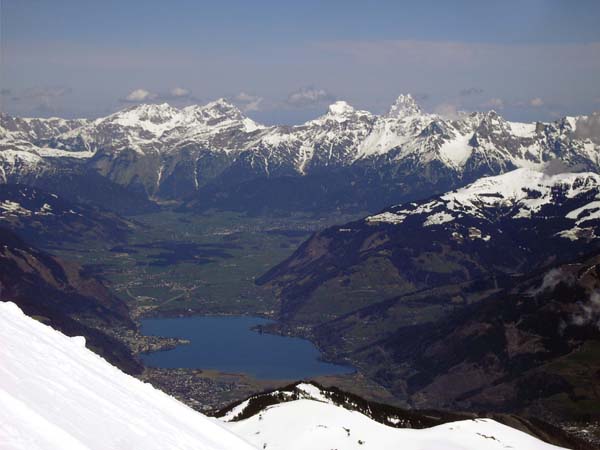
x=56, y=394
x=147, y=128
x=316, y=425
x=519, y=194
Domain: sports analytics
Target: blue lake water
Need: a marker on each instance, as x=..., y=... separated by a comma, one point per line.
x=227, y=344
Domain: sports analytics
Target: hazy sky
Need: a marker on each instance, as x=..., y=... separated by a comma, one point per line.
x=284, y=61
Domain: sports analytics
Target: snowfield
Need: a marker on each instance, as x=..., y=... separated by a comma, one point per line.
x=315, y=425
x=519, y=194
x=56, y=394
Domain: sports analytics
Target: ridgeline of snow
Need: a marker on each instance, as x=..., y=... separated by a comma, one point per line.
x=311, y=424
x=56, y=394
x=521, y=193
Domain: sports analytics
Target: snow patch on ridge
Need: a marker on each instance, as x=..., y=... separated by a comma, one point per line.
x=525, y=130
x=519, y=194
x=315, y=425
x=438, y=219
x=457, y=151
x=387, y=217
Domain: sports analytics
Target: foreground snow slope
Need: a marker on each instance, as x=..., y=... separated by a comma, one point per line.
x=316, y=425
x=56, y=394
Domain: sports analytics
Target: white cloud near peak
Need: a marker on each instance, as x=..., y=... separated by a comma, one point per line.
x=494, y=103
x=536, y=102
x=180, y=92
x=248, y=102
x=140, y=95
x=309, y=96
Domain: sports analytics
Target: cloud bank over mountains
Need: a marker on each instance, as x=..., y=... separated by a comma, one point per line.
x=289, y=69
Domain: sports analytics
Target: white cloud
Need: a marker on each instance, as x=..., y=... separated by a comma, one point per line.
x=179, y=92
x=248, y=102
x=46, y=92
x=42, y=99
x=494, y=103
x=536, y=102
x=589, y=312
x=140, y=95
x=371, y=70
x=447, y=111
x=309, y=96
x=588, y=127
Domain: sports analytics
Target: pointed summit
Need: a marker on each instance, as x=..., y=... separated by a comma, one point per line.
x=150, y=110
x=146, y=115
x=219, y=109
x=405, y=105
x=223, y=106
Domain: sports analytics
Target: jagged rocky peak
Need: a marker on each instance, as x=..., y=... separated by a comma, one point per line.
x=36, y=128
x=155, y=113
x=405, y=105
x=220, y=108
x=163, y=113
x=154, y=118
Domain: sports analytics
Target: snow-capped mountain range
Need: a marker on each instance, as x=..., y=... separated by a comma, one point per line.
x=56, y=394
x=173, y=153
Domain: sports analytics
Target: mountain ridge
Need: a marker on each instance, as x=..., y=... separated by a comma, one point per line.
x=211, y=155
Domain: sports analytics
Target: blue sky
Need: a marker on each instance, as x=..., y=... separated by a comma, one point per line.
x=283, y=62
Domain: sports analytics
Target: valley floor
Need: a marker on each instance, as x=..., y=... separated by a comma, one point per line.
x=205, y=265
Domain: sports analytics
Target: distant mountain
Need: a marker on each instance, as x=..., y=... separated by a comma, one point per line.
x=61, y=295
x=214, y=156
x=464, y=244
x=47, y=219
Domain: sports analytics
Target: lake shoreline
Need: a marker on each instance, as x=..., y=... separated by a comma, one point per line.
x=265, y=354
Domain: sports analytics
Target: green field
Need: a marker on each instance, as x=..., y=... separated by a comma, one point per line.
x=178, y=263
